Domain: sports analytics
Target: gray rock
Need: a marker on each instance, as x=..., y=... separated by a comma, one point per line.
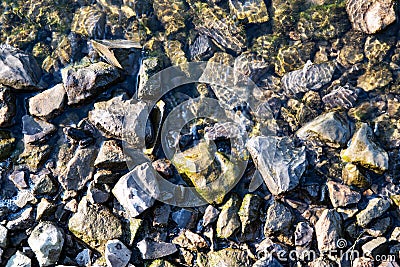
x=210, y=215
x=331, y=128
x=84, y=257
x=117, y=254
x=228, y=220
x=249, y=212
x=328, y=230
x=153, y=250
x=35, y=130
x=19, y=179
x=46, y=241
x=19, y=260
x=279, y=219
x=85, y=81
x=44, y=209
x=3, y=236
x=379, y=228
x=22, y=220
x=7, y=106
x=182, y=217
x=79, y=169
x=24, y=197
x=189, y=240
x=371, y=16
x=43, y=184
x=303, y=235
x=340, y=97
x=280, y=163
x=110, y=156
x=365, y=152
x=17, y=69
x=161, y=215
x=134, y=198
x=342, y=195
x=98, y=193
x=48, y=103
x=376, y=207
x=374, y=247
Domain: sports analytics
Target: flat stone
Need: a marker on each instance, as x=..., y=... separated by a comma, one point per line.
x=17, y=69
x=374, y=247
x=280, y=163
x=279, y=219
x=364, y=152
x=19, y=260
x=342, y=195
x=331, y=128
x=7, y=106
x=3, y=236
x=48, y=103
x=117, y=254
x=153, y=250
x=35, y=130
x=46, y=241
x=110, y=156
x=130, y=195
x=228, y=220
x=23, y=220
x=328, y=230
x=376, y=208
x=83, y=82
x=189, y=240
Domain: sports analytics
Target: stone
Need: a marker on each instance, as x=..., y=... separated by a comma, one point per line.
x=380, y=227
x=82, y=82
x=46, y=241
x=279, y=219
x=43, y=184
x=250, y=10
x=79, y=169
x=340, y=97
x=111, y=156
x=249, y=65
x=94, y=224
x=161, y=263
x=161, y=215
x=363, y=151
x=19, y=179
x=249, y=212
x=3, y=236
x=7, y=106
x=21, y=220
x=347, y=213
x=228, y=220
x=89, y=22
x=19, y=260
x=98, y=193
x=376, y=208
x=267, y=261
x=371, y=16
x=331, y=128
x=106, y=177
x=17, y=69
x=44, y=209
x=280, y=163
x=303, y=235
x=375, y=77
x=189, y=240
x=7, y=144
x=24, y=197
x=328, y=230
x=395, y=235
x=117, y=254
x=374, y=247
x=202, y=48
x=173, y=50
x=210, y=215
x=84, y=257
x=129, y=193
x=351, y=175
x=35, y=130
x=153, y=250
x=342, y=195
x=363, y=262
x=225, y=257
x=171, y=13
x=182, y=217
x=48, y=103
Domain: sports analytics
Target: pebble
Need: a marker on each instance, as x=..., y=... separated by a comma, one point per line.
x=117, y=254
x=19, y=179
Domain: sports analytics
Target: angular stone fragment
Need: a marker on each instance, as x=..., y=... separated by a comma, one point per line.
x=191, y=241
x=21, y=220
x=117, y=254
x=17, y=69
x=374, y=247
x=279, y=219
x=225, y=257
x=110, y=156
x=19, y=260
x=228, y=220
x=129, y=193
x=364, y=152
x=19, y=179
x=210, y=215
x=328, y=230
x=303, y=235
x=85, y=81
x=153, y=250
x=342, y=195
x=46, y=241
x=249, y=211
x=342, y=96
x=48, y=103
x=7, y=106
x=279, y=162
x=35, y=130
x=376, y=208
x=351, y=175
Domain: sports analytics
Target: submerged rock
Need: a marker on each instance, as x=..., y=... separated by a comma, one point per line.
x=85, y=81
x=171, y=13
x=89, y=22
x=280, y=163
x=7, y=106
x=342, y=97
x=202, y=48
x=17, y=69
x=48, y=103
x=254, y=11
x=364, y=152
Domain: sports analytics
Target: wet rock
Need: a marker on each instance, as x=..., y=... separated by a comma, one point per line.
x=171, y=13
x=342, y=195
x=190, y=240
x=328, y=230
x=79, y=169
x=173, y=50
x=371, y=16
x=303, y=235
x=35, y=130
x=17, y=69
x=152, y=250
x=251, y=11
x=19, y=260
x=7, y=106
x=3, y=236
x=117, y=254
x=280, y=163
x=224, y=257
x=364, y=152
x=108, y=116
x=376, y=208
x=376, y=77
x=7, y=144
x=379, y=228
x=210, y=215
x=332, y=128
x=85, y=81
x=249, y=65
x=129, y=192
x=46, y=241
x=279, y=219
x=351, y=175
x=89, y=22
x=202, y=48
x=249, y=212
x=374, y=247
x=183, y=217
x=290, y=58
x=341, y=96
x=95, y=225
x=110, y=156
x=228, y=220
x=19, y=179
x=48, y=103
x=21, y=220
x=376, y=49
x=310, y=77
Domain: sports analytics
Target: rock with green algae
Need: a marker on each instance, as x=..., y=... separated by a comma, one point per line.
x=7, y=144
x=375, y=77
x=225, y=257
x=363, y=151
x=228, y=220
x=89, y=22
x=34, y=156
x=249, y=212
x=94, y=224
x=171, y=13
x=376, y=49
x=254, y=11
x=351, y=175
x=292, y=57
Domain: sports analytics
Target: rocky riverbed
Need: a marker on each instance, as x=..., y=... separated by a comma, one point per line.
x=311, y=177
